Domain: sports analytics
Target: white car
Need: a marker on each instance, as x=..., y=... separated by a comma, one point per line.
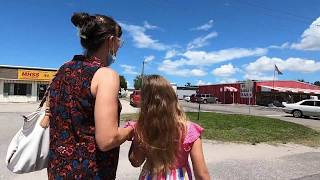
x=187, y=98
x=308, y=107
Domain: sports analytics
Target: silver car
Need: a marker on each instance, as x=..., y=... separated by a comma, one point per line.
x=308, y=107
x=206, y=98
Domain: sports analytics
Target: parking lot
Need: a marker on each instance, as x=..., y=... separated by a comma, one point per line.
x=225, y=160
x=252, y=110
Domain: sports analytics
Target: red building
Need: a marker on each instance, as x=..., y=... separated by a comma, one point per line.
x=261, y=92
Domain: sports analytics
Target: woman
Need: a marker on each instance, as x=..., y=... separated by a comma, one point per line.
x=84, y=105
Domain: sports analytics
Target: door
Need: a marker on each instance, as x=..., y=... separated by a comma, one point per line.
x=41, y=88
x=308, y=108
x=317, y=108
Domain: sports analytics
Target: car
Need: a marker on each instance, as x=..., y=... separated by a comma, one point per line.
x=308, y=107
x=135, y=98
x=193, y=98
x=205, y=98
x=186, y=98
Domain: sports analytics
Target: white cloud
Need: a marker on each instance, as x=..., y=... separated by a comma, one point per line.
x=283, y=46
x=260, y=68
x=226, y=70
x=200, y=82
x=149, y=26
x=171, y=54
x=310, y=39
x=228, y=80
x=209, y=58
x=265, y=64
x=198, y=72
x=258, y=76
x=204, y=27
x=141, y=39
x=129, y=69
x=201, y=41
x=149, y=58
x=176, y=68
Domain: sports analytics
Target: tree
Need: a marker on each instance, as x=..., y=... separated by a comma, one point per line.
x=317, y=83
x=137, y=82
x=123, y=83
x=188, y=84
x=302, y=80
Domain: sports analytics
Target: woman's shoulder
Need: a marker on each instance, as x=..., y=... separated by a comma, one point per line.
x=106, y=74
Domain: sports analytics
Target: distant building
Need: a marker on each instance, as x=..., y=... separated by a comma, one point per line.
x=261, y=92
x=24, y=84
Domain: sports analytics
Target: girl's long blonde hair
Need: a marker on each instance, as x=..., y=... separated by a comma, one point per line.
x=162, y=124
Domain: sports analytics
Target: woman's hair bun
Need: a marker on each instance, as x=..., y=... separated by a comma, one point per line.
x=80, y=19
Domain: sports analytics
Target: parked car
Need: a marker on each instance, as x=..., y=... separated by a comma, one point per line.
x=309, y=107
x=135, y=98
x=193, y=98
x=186, y=98
x=205, y=98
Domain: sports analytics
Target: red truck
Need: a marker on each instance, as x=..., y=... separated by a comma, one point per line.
x=135, y=98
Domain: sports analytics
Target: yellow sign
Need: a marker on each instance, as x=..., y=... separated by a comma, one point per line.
x=35, y=75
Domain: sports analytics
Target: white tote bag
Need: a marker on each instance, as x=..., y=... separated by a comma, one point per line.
x=28, y=150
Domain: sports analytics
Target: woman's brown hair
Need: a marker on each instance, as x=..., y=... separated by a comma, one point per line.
x=161, y=125
x=94, y=29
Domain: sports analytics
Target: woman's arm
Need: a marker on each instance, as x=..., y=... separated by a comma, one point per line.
x=105, y=87
x=44, y=123
x=198, y=163
x=136, y=154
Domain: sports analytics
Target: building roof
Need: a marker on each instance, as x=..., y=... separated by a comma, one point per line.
x=26, y=67
x=289, y=84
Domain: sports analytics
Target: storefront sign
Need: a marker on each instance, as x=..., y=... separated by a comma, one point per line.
x=35, y=75
x=246, y=90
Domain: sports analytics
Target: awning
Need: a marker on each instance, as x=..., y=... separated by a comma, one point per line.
x=231, y=89
x=292, y=90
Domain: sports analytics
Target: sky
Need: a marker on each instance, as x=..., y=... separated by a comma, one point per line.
x=201, y=42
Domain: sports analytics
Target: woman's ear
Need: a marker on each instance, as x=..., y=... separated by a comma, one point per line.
x=111, y=44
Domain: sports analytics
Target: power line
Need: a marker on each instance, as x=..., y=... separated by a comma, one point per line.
x=290, y=15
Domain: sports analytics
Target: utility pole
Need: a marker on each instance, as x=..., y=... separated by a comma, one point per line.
x=142, y=73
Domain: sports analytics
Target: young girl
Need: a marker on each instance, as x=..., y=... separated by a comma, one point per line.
x=163, y=137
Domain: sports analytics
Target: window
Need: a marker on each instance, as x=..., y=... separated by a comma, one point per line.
x=308, y=103
x=17, y=89
x=6, y=89
x=318, y=103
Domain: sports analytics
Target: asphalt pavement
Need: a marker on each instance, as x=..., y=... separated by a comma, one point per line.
x=224, y=160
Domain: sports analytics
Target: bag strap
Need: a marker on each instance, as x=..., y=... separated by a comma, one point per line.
x=44, y=97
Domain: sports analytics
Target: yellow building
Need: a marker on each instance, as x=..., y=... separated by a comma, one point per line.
x=24, y=84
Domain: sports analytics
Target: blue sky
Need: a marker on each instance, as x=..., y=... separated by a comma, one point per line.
x=201, y=42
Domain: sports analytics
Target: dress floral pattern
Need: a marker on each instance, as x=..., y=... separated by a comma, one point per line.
x=73, y=152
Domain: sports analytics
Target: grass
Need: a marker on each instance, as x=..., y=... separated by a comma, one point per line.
x=250, y=129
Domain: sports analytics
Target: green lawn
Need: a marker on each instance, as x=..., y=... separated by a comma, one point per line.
x=250, y=129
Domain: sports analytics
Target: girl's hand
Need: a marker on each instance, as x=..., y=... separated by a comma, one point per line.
x=130, y=124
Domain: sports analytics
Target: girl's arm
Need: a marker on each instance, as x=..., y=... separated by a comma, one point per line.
x=199, y=165
x=136, y=154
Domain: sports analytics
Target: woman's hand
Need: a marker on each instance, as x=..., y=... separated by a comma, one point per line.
x=44, y=123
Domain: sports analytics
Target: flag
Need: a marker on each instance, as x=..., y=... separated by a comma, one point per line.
x=277, y=69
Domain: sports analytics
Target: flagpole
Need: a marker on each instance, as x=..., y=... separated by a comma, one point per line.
x=274, y=76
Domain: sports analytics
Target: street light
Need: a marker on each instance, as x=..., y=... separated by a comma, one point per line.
x=146, y=60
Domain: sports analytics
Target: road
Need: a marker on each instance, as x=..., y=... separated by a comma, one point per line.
x=225, y=160
x=252, y=110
